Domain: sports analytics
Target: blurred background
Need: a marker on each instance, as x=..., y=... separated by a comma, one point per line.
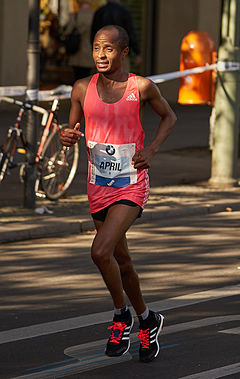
x=160, y=26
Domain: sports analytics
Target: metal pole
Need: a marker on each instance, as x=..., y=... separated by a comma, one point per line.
x=225, y=133
x=33, y=54
x=59, y=9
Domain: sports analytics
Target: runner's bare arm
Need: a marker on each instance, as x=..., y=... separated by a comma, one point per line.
x=150, y=93
x=72, y=134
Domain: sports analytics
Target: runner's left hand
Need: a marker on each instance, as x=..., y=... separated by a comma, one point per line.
x=142, y=158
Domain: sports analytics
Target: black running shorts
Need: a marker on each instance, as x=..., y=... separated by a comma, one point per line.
x=101, y=215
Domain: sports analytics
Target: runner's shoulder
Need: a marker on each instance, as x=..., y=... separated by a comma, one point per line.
x=82, y=84
x=80, y=87
x=146, y=87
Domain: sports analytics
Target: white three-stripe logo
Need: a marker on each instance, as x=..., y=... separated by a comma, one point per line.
x=126, y=333
x=153, y=333
x=131, y=97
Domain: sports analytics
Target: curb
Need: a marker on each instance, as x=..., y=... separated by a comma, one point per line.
x=194, y=210
x=49, y=228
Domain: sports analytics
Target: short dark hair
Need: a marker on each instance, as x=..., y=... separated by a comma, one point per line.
x=122, y=35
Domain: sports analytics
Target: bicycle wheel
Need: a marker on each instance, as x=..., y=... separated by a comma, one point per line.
x=58, y=166
x=5, y=155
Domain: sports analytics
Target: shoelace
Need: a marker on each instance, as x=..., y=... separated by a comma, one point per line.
x=117, y=327
x=144, y=337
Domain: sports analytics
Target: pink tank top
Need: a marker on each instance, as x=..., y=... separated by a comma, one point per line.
x=113, y=134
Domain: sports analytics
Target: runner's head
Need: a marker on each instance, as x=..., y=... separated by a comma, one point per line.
x=110, y=47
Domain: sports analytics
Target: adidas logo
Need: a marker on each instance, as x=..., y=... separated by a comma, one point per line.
x=131, y=97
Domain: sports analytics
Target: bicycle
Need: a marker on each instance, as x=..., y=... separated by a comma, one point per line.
x=56, y=164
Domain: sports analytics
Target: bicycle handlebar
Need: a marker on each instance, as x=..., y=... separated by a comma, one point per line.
x=23, y=104
x=34, y=108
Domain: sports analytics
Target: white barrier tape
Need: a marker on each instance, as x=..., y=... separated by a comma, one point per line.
x=61, y=92
x=13, y=91
x=219, y=66
x=64, y=91
x=178, y=74
x=32, y=94
x=228, y=66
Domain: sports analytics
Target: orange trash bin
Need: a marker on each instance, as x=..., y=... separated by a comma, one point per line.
x=197, y=49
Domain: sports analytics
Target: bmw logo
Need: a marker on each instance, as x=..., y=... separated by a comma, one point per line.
x=110, y=150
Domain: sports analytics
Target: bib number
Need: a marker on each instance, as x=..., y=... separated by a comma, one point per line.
x=110, y=165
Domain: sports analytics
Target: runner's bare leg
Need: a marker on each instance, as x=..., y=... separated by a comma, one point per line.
x=129, y=276
x=110, y=254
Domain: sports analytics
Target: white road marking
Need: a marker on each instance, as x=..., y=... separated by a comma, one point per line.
x=200, y=323
x=91, y=355
x=98, y=318
x=77, y=351
x=215, y=373
x=231, y=331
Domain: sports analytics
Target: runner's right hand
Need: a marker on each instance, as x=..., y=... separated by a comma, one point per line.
x=70, y=136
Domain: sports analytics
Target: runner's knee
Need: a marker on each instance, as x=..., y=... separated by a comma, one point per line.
x=100, y=254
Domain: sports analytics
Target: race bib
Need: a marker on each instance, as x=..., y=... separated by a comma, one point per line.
x=110, y=165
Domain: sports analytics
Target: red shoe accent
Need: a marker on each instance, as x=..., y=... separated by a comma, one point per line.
x=117, y=327
x=144, y=337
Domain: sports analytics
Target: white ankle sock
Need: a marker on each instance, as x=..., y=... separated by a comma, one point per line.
x=119, y=311
x=145, y=314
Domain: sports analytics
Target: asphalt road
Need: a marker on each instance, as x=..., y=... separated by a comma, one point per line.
x=55, y=309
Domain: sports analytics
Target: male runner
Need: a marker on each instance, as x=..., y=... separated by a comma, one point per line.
x=112, y=102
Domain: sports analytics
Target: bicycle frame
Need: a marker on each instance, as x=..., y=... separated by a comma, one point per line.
x=56, y=165
x=15, y=133
x=17, y=128
x=47, y=128
x=47, y=120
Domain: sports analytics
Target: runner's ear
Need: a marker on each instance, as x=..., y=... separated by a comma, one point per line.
x=125, y=52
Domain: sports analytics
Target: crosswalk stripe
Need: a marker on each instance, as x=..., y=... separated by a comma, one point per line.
x=47, y=328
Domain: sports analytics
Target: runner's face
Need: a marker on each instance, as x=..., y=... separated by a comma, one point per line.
x=107, y=54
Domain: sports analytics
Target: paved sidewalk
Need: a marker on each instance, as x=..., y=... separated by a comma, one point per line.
x=178, y=176
x=72, y=215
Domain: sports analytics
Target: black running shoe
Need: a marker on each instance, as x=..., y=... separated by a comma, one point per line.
x=119, y=341
x=149, y=330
